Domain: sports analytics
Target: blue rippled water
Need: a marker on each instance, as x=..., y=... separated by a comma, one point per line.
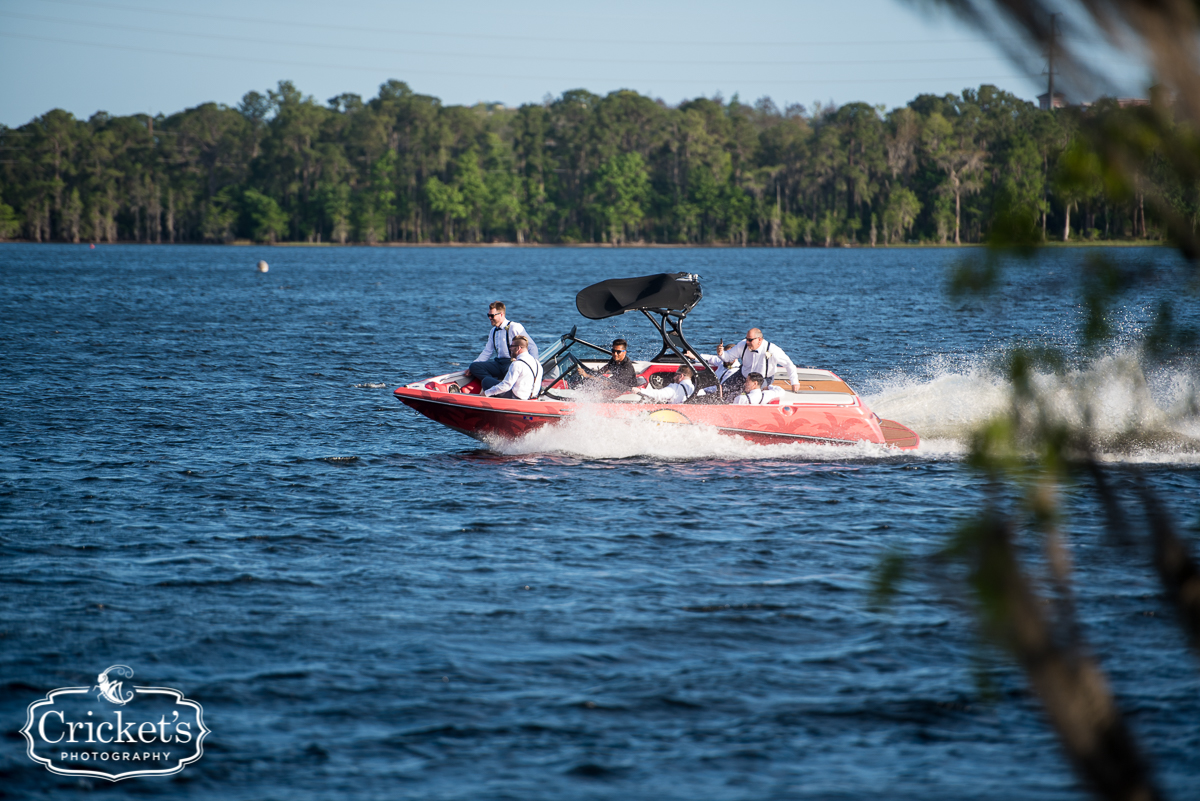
x=203, y=475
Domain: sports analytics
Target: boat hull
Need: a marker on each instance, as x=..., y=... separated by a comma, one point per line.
x=841, y=424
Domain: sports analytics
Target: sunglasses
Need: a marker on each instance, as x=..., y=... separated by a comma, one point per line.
x=493, y=315
x=615, y=352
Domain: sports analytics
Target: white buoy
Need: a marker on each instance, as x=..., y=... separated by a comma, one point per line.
x=262, y=266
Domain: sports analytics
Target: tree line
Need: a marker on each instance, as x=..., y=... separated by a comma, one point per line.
x=620, y=168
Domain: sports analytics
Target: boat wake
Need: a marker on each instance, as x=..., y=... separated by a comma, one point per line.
x=1135, y=415
x=591, y=436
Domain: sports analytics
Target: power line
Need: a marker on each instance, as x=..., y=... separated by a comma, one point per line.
x=504, y=37
x=393, y=51
x=362, y=68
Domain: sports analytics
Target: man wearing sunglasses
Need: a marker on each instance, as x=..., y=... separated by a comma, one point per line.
x=492, y=364
x=619, y=370
x=757, y=356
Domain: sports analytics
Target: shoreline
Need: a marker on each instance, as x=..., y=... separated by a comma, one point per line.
x=1119, y=243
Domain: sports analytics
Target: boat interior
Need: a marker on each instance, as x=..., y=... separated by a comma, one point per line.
x=563, y=381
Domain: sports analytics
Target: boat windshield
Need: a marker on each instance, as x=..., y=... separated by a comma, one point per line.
x=558, y=358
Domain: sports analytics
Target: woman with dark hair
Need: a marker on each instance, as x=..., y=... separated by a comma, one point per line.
x=619, y=370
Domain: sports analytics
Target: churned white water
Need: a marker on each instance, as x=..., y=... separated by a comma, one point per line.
x=1130, y=417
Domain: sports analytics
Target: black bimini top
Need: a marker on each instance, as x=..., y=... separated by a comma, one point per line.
x=677, y=292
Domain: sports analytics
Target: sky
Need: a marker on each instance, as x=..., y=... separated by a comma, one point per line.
x=163, y=56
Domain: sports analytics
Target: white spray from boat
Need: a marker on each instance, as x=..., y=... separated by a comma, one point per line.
x=1135, y=415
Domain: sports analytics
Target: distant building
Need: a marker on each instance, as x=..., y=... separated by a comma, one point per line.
x=1060, y=101
x=1123, y=102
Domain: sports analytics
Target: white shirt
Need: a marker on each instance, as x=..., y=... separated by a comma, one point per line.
x=672, y=393
x=524, y=378
x=763, y=359
x=758, y=397
x=500, y=336
x=718, y=365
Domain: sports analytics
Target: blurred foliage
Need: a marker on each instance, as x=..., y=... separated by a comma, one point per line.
x=1015, y=548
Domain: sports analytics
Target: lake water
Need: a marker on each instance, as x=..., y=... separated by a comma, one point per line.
x=204, y=476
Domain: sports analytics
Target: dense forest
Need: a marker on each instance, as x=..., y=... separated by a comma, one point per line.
x=623, y=168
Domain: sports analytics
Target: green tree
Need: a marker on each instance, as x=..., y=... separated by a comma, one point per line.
x=376, y=201
x=267, y=220
x=289, y=166
x=72, y=216
x=220, y=216
x=469, y=183
x=1020, y=197
x=335, y=201
x=860, y=161
x=820, y=183
x=831, y=225
x=953, y=150
x=9, y=224
x=504, y=211
x=1078, y=179
x=900, y=213
x=622, y=188
x=738, y=206
x=446, y=200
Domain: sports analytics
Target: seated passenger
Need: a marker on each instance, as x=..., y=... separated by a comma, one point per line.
x=721, y=369
x=496, y=357
x=524, y=378
x=678, y=391
x=754, y=395
x=618, y=372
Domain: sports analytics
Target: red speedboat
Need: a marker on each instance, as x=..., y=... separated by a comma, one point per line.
x=825, y=410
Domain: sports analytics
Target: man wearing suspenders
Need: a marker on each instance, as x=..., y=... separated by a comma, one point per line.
x=524, y=378
x=754, y=395
x=492, y=363
x=722, y=369
x=757, y=356
x=678, y=391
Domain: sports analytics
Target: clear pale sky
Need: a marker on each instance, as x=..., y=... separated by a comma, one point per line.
x=138, y=56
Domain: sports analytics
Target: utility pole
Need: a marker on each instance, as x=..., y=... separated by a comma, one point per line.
x=1050, y=65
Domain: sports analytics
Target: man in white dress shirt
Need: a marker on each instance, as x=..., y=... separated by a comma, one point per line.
x=493, y=362
x=524, y=378
x=757, y=356
x=678, y=391
x=721, y=369
x=754, y=394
